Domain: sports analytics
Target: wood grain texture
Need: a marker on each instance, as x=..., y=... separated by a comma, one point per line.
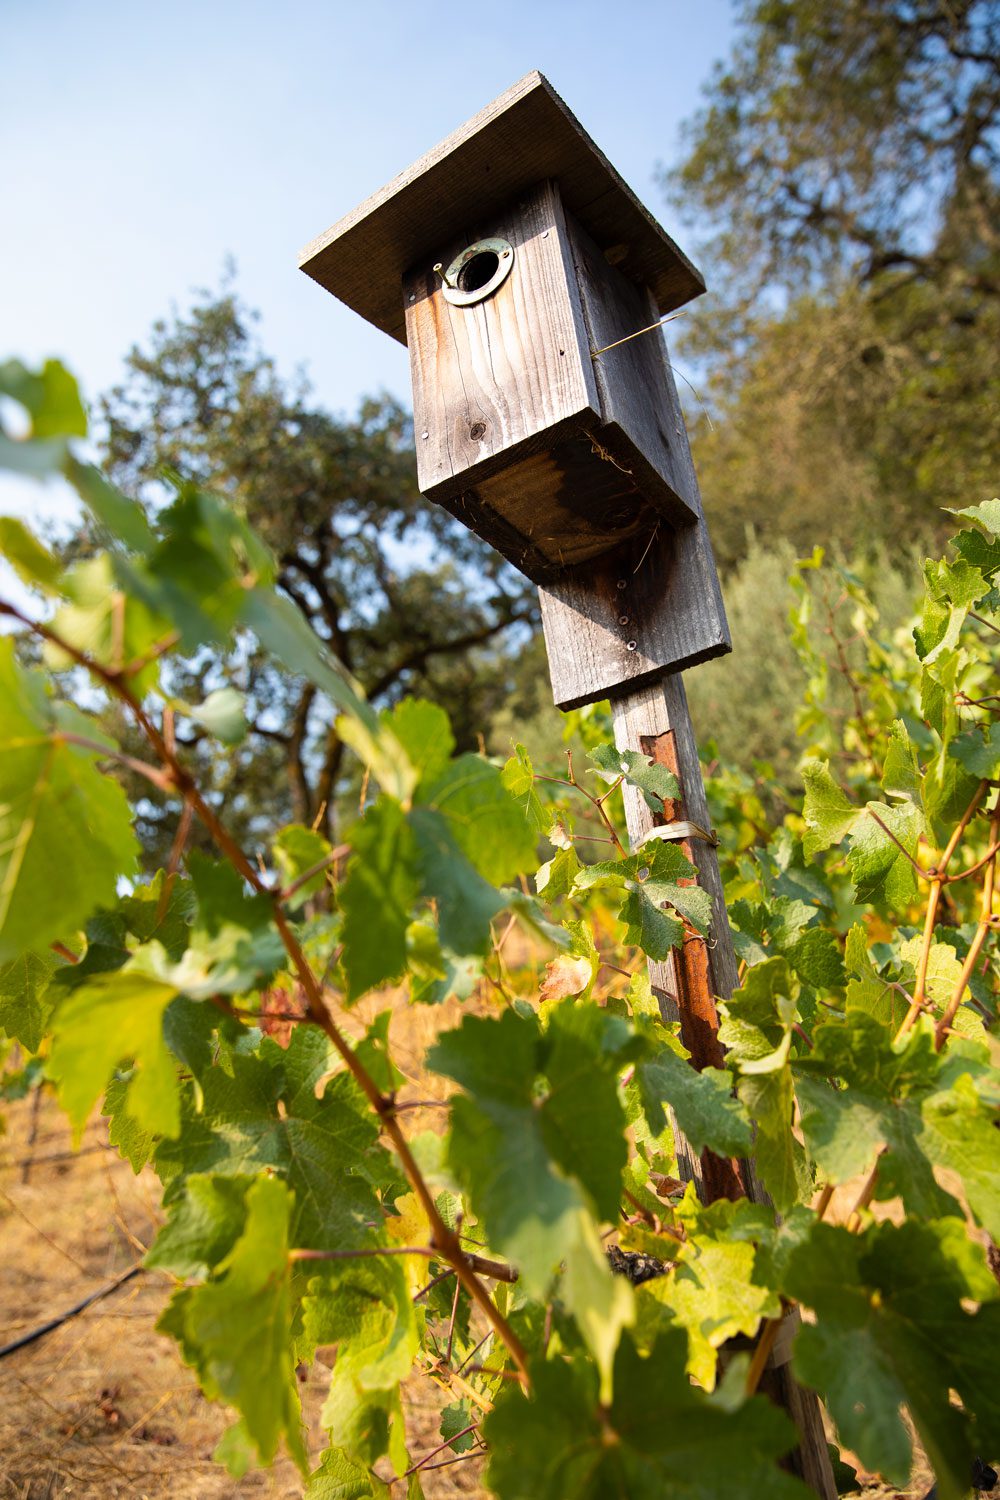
x=656, y=722
x=509, y=421
x=661, y=592
x=500, y=378
x=638, y=408
x=526, y=135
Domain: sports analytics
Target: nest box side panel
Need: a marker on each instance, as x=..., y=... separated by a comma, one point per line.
x=640, y=429
x=650, y=610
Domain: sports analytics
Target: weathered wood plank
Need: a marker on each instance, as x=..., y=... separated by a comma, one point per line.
x=654, y=608
x=639, y=427
x=496, y=379
x=526, y=135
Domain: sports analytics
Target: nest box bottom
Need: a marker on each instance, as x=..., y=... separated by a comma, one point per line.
x=554, y=510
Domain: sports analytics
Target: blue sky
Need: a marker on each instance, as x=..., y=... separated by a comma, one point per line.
x=143, y=144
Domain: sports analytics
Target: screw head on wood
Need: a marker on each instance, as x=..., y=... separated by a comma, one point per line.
x=631, y=645
x=623, y=619
x=620, y=584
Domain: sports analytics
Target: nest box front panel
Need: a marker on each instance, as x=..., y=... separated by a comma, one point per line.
x=516, y=431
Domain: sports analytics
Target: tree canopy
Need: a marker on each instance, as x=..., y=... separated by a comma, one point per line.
x=846, y=165
x=404, y=596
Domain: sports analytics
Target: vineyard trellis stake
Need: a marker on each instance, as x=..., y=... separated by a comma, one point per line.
x=520, y=270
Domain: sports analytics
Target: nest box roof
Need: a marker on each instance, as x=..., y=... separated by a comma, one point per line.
x=520, y=139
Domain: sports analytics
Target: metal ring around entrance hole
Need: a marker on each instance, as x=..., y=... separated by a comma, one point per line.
x=477, y=272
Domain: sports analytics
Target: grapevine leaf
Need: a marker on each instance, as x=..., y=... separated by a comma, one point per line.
x=651, y=879
x=296, y=850
x=816, y=959
x=233, y=944
x=986, y=515
x=377, y=897
x=24, y=1005
x=423, y=730
x=339, y=1477
x=979, y=751
x=57, y=814
x=283, y=631
x=365, y=1307
x=222, y=713
x=944, y=971
x=778, y=1156
x=960, y=1135
x=145, y=915
x=703, y=1103
x=134, y=1144
x=757, y=1016
x=265, y=1115
x=661, y=1436
x=236, y=1329
x=203, y=1226
x=518, y=777
x=466, y=902
x=108, y=1019
x=756, y=1029
x=50, y=396
x=531, y=1163
x=828, y=813
x=900, y=773
x=111, y=627
x=648, y=926
x=846, y=1129
x=557, y=876
x=33, y=563
x=454, y=1421
x=120, y=518
x=657, y=784
x=879, y=868
x=485, y=821
x=373, y=1053
x=566, y=975
x=952, y=589
x=713, y=1296
x=891, y=1331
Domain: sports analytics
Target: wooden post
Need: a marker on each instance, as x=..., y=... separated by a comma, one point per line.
x=655, y=721
x=523, y=273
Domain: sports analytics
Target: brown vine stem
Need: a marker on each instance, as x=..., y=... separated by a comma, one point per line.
x=341, y=852
x=444, y=1239
x=985, y=925
x=762, y=1353
x=106, y=752
x=863, y=1199
x=176, y=852
x=495, y=1269
x=937, y=878
x=597, y=802
x=415, y=1468
x=974, y=869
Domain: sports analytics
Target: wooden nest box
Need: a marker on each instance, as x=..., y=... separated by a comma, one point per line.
x=510, y=260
